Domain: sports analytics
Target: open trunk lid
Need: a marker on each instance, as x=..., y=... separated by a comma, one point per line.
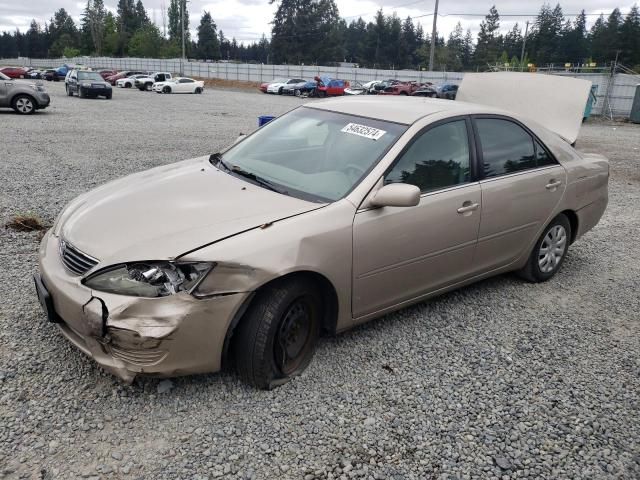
x=554, y=101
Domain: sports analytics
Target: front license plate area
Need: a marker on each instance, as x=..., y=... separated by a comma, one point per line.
x=45, y=299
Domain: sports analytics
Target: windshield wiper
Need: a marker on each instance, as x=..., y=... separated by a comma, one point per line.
x=217, y=157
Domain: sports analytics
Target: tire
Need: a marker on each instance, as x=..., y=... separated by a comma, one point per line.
x=108, y=96
x=297, y=92
x=24, y=104
x=280, y=90
x=544, y=264
x=69, y=92
x=198, y=90
x=166, y=89
x=322, y=94
x=287, y=312
x=147, y=86
x=81, y=94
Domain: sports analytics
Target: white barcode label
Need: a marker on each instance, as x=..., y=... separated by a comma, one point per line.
x=363, y=131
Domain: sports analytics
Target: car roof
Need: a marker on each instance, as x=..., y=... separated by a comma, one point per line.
x=398, y=109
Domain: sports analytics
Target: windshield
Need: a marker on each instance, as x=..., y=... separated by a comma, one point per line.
x=313, y=154
x=89, y=76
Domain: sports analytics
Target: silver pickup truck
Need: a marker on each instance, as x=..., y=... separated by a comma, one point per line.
x=24, y=97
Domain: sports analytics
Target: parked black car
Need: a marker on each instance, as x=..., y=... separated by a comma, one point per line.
x=51, y=76
x=87, y=83
x=448, y=91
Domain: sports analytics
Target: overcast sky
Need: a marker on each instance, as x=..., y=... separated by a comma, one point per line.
x=247, y=20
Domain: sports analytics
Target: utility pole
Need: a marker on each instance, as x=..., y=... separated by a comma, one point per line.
x=524, y=42
x=432, y=50
x=182, y=7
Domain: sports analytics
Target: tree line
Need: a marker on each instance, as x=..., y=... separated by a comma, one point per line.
x=312, y=32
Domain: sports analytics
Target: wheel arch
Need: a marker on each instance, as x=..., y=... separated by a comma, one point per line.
x=13, y=99
x=329, y=301
x=573, y=222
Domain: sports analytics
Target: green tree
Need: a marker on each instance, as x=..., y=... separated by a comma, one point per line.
x=208, y=44
x=576, y=46
x=146, y=42
x=63, y=33
x=630, y=38
x=597, y=37
x=489, y=45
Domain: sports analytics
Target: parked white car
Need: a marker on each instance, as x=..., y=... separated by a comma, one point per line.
x=145, y=82
x=128, y=82
x=278, y=87
x=179, y=85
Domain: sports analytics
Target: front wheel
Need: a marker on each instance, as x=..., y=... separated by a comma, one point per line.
x=198, y=90
x=147, y=86
x=276, y=339
x=24, y=105
x=549, y=251
x=69, y=92
x=166, y=90
x=297, y=92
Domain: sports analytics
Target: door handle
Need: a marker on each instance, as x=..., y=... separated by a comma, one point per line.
x=468, y=207
x=553, y=184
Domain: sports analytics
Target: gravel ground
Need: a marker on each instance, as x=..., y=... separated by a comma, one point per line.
x=501, y=380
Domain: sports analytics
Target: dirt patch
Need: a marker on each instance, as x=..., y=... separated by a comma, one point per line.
x=26, y=223
x=236, y=84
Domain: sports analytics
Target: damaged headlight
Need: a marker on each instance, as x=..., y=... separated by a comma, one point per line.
x=149, y=279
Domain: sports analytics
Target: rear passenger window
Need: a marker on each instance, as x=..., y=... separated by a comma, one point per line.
x=542, y=157
x=506, y=147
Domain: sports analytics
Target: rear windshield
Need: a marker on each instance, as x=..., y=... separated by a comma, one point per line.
x=89, y=76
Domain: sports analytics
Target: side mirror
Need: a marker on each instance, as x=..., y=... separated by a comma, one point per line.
x=396, y=195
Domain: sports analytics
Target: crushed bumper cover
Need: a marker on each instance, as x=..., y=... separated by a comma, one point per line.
x=130, y=336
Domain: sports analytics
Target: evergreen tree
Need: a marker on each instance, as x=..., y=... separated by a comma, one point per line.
x=467, y=50
x=455, y=49
x=630, y=38
x=489, y=46
x=597, y=36
x=513, y=42
x=576, y=47
x=146, y=41
x=208, y=44
x=63, y=33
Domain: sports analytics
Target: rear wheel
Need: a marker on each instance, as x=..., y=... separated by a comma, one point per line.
x=24, y=104
x=549, y=251
x=296, y=92
x=276, y=339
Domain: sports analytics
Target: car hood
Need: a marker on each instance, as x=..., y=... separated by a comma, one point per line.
x=168, y=211
x=554, y=101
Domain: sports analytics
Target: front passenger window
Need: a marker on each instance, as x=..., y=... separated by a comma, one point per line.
x=439, y=158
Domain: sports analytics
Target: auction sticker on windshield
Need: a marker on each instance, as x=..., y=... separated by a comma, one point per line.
x=363, y=131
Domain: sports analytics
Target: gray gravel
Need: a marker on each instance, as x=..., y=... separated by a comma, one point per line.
x=500, y=380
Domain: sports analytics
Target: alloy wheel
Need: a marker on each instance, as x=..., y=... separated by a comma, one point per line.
x=24, y=105
x=552, y=249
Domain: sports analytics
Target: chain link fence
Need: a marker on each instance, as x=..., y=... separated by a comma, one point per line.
x=614, y=92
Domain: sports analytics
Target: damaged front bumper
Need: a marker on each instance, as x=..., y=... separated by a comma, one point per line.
x=128, y=336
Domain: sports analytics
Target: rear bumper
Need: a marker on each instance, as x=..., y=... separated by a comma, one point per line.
x=130, y=336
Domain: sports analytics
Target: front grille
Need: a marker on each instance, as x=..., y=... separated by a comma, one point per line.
x=76, y=261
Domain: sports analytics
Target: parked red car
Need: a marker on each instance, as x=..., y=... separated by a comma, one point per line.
x=329, y=87
x=15, y=72
x=124, y=74
x=107, y=73
x=402, y=88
